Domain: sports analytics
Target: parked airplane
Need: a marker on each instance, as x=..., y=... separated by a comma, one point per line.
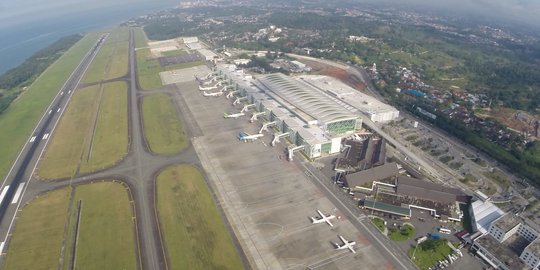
x=246, y=137
x=234, y=115
x=212, y=94
x=346, y=244
x=322, y=218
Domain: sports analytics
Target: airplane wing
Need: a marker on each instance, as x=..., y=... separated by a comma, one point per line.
x=329, y=223
x=351, y=248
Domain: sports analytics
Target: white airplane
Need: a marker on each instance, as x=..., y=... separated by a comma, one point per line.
x=346, y=244
x=245, y=137
x=213, y=94
x=322, y=218
x=207, y=88
x=234, y=115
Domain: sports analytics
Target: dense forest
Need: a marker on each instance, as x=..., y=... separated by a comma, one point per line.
x=14, y=80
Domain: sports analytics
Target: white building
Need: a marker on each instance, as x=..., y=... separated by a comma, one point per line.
x=501, y=246
x=187, y=40
x=353, y=99
x=208, y=55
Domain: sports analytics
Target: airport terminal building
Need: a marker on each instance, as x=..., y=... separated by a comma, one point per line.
x=312, y=120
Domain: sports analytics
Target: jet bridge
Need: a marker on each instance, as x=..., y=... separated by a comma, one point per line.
x=277, y=137
x=230, y=94
x=266, y=125
x=291, y=151
x=248, y=106
x=255, y=115
x=238, y=99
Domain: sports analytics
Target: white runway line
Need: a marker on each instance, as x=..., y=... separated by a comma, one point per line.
x=33, y=139
x=18, y=193
x=61, y=93
x=58, y=110
x=3, y=194
x=50, y=111
x=2, y=247
x=45, y=136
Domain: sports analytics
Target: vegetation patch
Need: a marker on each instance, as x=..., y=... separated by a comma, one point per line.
x=404, y=233
x=92, y=135
x=18, y=121
x=379, y=223
x=37, y=239
x=162, y=127
x=429, y=253
x=498, y=177
x=193, y=232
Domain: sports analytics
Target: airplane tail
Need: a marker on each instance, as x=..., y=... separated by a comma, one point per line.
x=312, y=219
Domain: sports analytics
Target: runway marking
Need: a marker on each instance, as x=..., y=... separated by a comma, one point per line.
x=18, y=193
x=50, y=111
x=61, y=93
x=58, y=110
x=33, y=139
x=69, y=92
x=2, y=247
x=45, y=136
x=3, y=194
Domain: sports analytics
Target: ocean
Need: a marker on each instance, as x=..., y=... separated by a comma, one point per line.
x=22, y=39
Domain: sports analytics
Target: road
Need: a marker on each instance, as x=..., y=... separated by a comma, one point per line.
x=16, y=182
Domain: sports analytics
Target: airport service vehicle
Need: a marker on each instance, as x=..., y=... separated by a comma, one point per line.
x=322, y=218
x=346, y=244
x=246, y=137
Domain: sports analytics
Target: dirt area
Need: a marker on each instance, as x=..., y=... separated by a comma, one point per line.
x=335, y=72
x=517, y=120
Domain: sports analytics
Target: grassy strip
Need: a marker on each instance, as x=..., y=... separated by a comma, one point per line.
x=193, y=232
x=37, y=239
x=430, y=252
x=111, y=135
x=140, y=38
x=379, y=223
x=106, y=233
x=18, y=121
x=112, y=59
x=148, y=70
x=162, y=127
x=69, y=149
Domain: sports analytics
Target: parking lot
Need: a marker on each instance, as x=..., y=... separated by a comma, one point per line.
x=267, y=199
x=179, y=59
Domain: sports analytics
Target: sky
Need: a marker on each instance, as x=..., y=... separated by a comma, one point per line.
x=16, y=12
x=524, y=11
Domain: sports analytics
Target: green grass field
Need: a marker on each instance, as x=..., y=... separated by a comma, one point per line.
x=86, y=139
x=429, y=252
x=37, y=239
x=162, y=127
x=405, y=233
x=149, y=69
x=106, y=232
x=140, y=38
x=194, y=234
x=112, y=59
x=18, y=121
